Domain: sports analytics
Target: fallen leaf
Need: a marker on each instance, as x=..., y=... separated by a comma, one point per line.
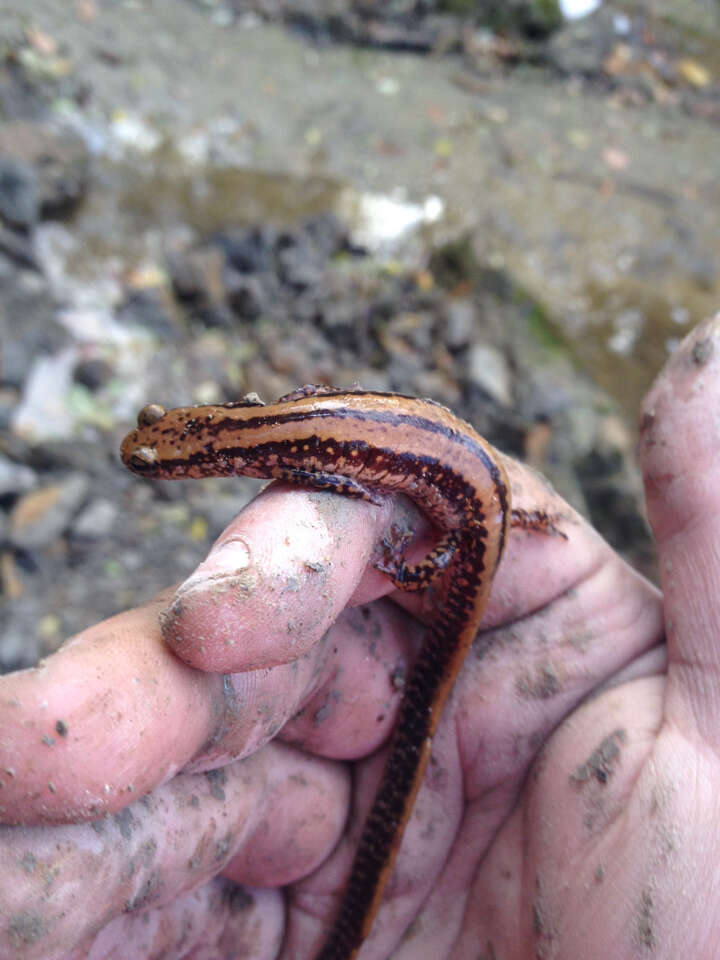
x=694, y=73
x=86, y=10
x=615, y=159
x=619, y=59
x=497, y=114
x=41, y=41
x=424, y=280
x=580, y=139
x=313, y=136
x=147, y=277
x=436, y=115
x=198, y=529
x=12, y=585
x=33, y=506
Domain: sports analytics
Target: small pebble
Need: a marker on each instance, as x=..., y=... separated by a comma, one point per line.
x=488, y=369
x=40, y=517
x=96, y=520
x=15, y=477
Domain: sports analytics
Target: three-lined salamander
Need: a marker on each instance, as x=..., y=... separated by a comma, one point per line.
x=365, y=444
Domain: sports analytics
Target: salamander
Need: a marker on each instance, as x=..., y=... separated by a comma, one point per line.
x=368, y=445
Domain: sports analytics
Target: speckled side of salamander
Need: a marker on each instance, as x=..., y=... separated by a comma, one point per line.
x=365, y=444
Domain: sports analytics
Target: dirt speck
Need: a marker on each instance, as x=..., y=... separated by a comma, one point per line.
x=25, y=928
x=144, y=894
x=702, y=351
x=222, y=847
x=217, y=780
x=125, y=823
x=239, y=900
x=600, y=765
x=541, y=683
x=645, y=926
x=544, y=925
x=398, y=677
x=28, y=862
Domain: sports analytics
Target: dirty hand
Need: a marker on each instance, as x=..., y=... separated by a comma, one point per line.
x=152, y=808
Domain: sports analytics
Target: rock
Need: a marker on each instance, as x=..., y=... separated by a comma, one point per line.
x=19, y=648
x=9, y=398
x=531, y=17
x=18, y=248
x=152, y=309
x=328, y=234
x=96, y=520
x=340, y=316
x=40, y=517
x=57, y=160
x=248, y=251
x=41, y=333
x=299, y=263
x=583, y=46
x=15, y=478
x=245, y=294
x=42, y=412
x=19, y=193
x=488, y=369
x=198, y=274
x=199, y=278
x=92, y=372
x=460, y=320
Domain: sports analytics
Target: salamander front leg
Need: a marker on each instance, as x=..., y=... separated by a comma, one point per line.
x=334, y=482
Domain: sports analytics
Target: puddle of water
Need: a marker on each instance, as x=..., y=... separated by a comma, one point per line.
x=140, y=202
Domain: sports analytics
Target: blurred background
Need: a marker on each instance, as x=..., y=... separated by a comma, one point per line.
x=511, y=207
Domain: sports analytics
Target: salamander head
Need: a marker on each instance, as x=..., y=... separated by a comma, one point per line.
x=137, y=454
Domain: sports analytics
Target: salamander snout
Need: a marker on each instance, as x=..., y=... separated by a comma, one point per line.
x=136, y=455
x=138, y=458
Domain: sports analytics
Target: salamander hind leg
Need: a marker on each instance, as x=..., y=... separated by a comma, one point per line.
x=414, y=576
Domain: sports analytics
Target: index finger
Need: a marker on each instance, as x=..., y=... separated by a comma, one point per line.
x=114, y=712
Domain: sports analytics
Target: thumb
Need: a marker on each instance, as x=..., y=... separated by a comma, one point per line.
x=680, y=456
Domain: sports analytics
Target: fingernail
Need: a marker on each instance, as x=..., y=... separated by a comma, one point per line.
x=227, y=559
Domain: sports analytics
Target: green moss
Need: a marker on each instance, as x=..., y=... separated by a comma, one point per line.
x=533, y=17
x=455, y=263
x=541, y=327
x=463, y=8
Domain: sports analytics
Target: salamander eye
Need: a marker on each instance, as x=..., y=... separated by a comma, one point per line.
x=143, y=460
x=150, y=414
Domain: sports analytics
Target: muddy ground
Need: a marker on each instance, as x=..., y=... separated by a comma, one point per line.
x=201, y=199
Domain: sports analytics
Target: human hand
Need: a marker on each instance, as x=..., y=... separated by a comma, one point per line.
x=572, y=778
